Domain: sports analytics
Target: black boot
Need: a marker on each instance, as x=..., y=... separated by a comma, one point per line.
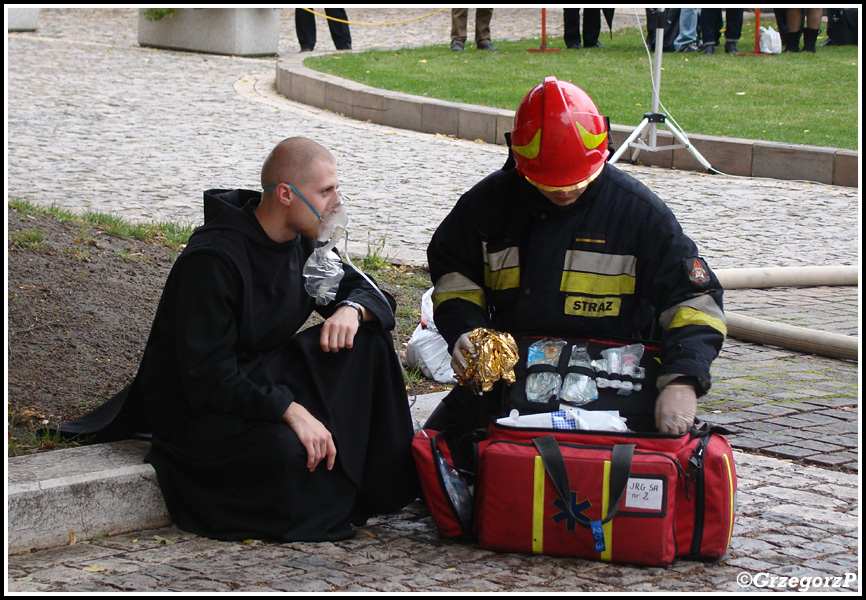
x=792, y=41
x=810, y=36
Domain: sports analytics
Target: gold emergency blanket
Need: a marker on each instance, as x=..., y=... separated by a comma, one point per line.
x=494, y=359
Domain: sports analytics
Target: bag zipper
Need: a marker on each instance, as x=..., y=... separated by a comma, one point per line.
x=696, y=467
x=680, y=470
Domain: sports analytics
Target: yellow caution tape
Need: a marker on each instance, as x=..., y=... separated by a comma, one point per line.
x=375, y=24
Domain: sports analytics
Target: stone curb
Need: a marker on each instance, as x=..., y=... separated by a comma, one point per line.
x=730, y=156
x=22, y=19
x=57, y=497
x=106, y=489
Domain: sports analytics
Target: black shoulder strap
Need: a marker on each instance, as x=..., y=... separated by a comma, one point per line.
x=554, y=464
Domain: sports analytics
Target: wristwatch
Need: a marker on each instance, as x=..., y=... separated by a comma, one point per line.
x=354, y=305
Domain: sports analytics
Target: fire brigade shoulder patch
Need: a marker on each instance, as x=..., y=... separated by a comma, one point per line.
x=697, y=271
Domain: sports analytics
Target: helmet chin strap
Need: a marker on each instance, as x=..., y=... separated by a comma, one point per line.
x=567, y=188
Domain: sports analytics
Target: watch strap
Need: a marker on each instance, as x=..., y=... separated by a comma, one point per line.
x=354, y=305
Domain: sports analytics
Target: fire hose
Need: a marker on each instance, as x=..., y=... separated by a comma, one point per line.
x=801, y=339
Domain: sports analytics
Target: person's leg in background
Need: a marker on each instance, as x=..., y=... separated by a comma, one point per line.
x=812, y=29
x=339, y=30
x=305, y=27
x=733, y=28
x=459, y=16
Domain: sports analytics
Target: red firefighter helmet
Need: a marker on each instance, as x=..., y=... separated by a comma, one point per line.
x=559, y=139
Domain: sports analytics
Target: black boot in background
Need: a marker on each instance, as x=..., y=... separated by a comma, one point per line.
x=792, y=41
x=810, y=36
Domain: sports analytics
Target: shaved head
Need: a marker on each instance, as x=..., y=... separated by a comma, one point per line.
x=290, y=160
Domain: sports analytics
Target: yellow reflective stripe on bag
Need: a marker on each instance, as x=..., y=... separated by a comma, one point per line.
x=607, y=528
x=731, y=495
x=538, y=505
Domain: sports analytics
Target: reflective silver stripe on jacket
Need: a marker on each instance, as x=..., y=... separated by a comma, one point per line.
x=501, y=268
x=700, y=310
x=457, y=285
x=598, y=273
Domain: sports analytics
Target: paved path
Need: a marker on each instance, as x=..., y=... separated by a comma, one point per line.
x=96, y=122
x=792, y=521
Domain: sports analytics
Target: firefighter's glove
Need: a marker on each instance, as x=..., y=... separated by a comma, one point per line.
x=675, y=408
x=458, y=361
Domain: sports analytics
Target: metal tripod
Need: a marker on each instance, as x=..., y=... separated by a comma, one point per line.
x=652, y=119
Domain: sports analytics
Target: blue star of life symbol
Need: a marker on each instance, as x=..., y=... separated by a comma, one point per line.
x=577, y=509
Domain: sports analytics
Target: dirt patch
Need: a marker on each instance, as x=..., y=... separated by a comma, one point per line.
x=80, y=306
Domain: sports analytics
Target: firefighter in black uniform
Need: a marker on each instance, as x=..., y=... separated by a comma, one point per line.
x=562, y=243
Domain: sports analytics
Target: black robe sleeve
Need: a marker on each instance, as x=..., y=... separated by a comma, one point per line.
x=354, y=286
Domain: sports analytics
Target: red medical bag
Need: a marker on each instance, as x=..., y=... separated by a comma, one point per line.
x=619, y=497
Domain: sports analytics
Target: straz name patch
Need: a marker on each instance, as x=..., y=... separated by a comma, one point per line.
x=585, y=306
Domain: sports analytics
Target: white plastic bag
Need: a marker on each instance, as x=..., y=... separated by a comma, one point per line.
x=428, y=350
x=427, y=310
x=770, y=42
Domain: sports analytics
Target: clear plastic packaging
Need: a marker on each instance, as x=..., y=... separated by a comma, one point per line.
x=543, y=387
x=457, y=488
x=323, y=270
x=624, y=360
x=579, y=389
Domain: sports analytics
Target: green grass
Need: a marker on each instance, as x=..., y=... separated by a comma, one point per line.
x=173, y=235
x=799, y=98
x=30, y=238
x=34, y=440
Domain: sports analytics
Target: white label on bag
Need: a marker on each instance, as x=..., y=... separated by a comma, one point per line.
x=646, y=494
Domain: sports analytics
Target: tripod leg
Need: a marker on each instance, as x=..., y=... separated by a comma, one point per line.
x=682, y=139
x=624, y=146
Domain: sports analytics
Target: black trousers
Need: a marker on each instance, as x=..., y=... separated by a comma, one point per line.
x=711, y=24
x=305, y=26
x=571, y=26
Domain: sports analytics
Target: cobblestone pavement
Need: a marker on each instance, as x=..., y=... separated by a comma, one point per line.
x=97, y=122
x=792, y=521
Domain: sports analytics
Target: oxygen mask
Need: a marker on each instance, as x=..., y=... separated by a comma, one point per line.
x=323, y=270
x=332, y=225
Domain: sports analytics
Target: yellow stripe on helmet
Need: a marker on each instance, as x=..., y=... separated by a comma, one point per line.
x=590, y=140
x=531, y=149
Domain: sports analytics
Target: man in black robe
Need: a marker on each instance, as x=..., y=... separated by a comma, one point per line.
x=259, y=431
